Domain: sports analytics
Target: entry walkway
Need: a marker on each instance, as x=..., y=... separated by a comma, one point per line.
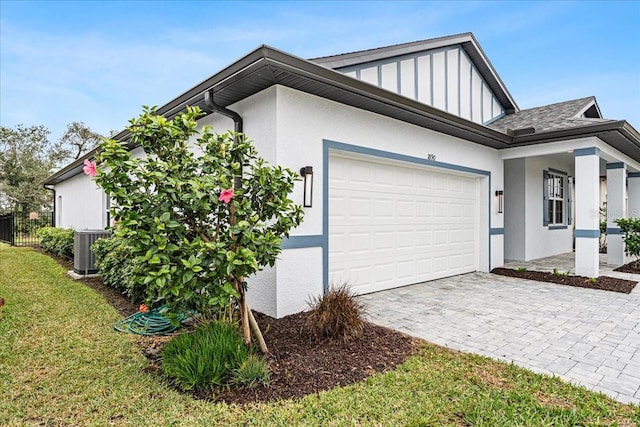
x=588, y=337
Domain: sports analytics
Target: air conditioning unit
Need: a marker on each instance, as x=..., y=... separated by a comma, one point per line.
x=84, y=261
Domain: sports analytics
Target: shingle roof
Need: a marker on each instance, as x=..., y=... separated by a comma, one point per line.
x=562, y=115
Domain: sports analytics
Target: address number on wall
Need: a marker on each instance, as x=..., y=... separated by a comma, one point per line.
x=431, y=157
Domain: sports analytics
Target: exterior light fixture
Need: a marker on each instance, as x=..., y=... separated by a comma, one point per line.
x=500, y=195
x=307, y=175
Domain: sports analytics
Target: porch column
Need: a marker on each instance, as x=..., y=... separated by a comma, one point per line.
x=633, y=189
x=587, y=232
x=616, y=185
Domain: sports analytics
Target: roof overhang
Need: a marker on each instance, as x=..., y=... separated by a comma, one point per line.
x=618, y=134
x=266, y=66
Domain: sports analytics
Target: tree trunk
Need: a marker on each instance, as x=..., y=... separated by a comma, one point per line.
x=244, y=309
x=257, y=333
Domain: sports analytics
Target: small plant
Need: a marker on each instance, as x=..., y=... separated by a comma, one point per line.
x=206, y=357
x=557, y=272
x=252, y=373
x=593, y=280
x=337, y=314
x=57, y=241
x=521, y=269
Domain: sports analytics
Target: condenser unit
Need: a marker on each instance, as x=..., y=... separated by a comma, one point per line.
x=84, y=261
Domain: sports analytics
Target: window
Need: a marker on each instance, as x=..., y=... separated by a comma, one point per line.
x=555, y=198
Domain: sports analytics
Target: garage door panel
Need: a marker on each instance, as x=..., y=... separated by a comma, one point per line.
x=397, y=224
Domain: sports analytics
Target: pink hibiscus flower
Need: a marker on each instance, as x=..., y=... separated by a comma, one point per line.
x=90, y=168
x=226, y=195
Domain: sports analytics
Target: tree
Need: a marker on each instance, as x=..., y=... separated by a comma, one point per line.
x=77, y=140
x=198, y=226
x=27, y=157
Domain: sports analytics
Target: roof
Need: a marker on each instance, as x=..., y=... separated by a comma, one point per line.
x=562, y=115
x=266, y=66
x=466, y=40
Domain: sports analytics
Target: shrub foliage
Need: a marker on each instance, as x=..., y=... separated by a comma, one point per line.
x=57, y=241
x=115, y=264
x=337, y=314
x=631, y=229
x=205, y=358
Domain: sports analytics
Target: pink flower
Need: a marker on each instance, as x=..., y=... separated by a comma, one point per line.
x=90, y=168
x=226, y=195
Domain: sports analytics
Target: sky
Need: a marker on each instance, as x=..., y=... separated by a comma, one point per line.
x=99, y=62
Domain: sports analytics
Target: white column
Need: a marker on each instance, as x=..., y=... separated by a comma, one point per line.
x=587, y=201
x=616, y=185
x=633, y=189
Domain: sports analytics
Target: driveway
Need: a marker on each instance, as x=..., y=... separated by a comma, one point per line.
x=587, y=337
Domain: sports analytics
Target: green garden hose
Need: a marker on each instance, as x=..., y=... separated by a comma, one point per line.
x=148, y=323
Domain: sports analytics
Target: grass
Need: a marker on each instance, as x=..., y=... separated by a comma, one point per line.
x=61, y=363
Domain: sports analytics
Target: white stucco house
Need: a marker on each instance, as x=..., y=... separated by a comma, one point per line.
x=423, y=167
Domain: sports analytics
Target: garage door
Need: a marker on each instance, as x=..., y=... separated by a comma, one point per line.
x=393, y=223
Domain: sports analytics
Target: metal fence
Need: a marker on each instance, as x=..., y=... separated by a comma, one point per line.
x=21, y=228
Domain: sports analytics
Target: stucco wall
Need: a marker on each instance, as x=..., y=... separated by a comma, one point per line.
x=80, y=204
x=542, y=241
x=526, y=237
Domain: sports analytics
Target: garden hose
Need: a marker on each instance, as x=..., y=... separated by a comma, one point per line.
x=148, y=323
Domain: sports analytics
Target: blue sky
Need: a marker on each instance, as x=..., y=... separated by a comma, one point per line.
x=99, y=62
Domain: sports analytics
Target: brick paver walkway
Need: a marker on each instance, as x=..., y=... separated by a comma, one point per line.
x=585, y=336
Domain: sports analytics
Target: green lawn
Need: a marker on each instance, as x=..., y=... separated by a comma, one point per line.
x=61, y=363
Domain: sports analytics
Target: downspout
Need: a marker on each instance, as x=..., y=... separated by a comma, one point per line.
x=212, y=107
x=53, y=219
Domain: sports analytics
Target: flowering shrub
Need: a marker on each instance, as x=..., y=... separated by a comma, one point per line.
x=196, y=226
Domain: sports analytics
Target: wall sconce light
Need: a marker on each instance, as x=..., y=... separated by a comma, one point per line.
x=307, y=174
x=500, y=194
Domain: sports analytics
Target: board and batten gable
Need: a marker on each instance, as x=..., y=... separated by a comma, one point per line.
x=443, y=78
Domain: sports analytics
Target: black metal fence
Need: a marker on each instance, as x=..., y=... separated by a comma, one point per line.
x=21, y=228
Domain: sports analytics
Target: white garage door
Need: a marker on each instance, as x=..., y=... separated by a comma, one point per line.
x=395, y=224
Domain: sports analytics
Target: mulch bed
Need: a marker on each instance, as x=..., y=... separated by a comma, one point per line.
x=602, y=283
x=298, y=363
x=633, y=267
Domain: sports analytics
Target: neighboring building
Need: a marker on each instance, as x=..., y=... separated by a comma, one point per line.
x=424, y=167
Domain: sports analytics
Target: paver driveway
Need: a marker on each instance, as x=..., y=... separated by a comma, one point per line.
x=585, y=336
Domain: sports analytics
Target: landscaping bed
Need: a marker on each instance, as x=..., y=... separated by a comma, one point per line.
x=633, y=267
x=298, y=363
x=603, y=283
